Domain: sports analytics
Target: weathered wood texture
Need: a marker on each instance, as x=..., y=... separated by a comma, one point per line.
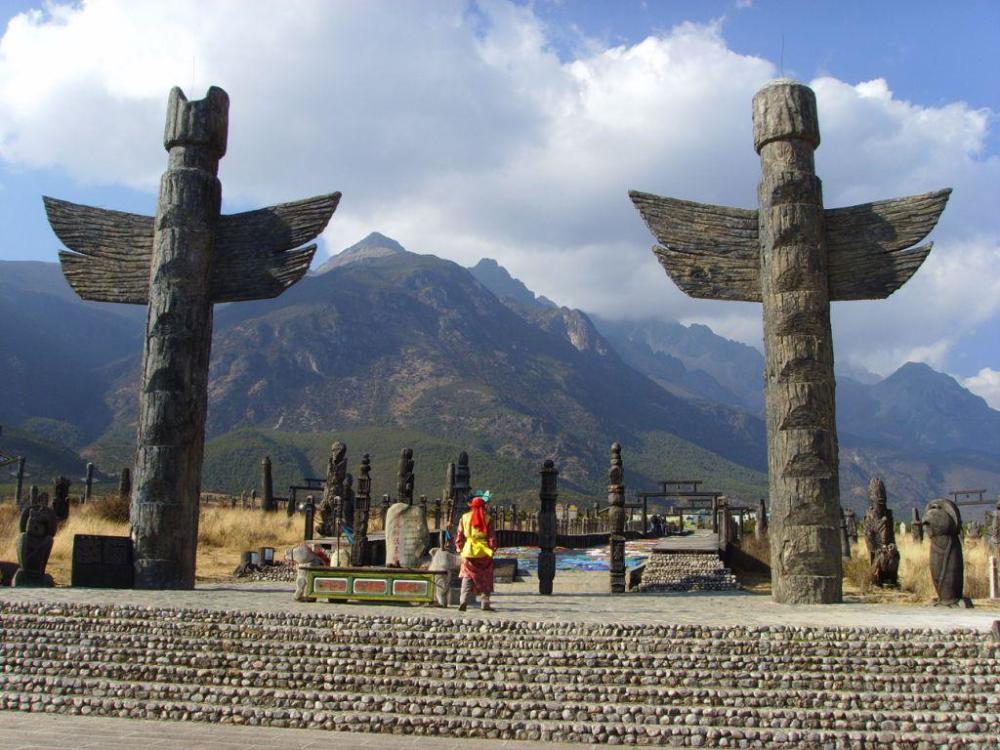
x=180, y=264
x=795, y=257
x=713, y=252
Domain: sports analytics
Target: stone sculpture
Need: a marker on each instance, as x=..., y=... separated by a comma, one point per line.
x=37, y=526
x=333, y=490
x=616, y=517
x=305, y=554
x=852, y=525
x=943, y=522
x=547, y=497
x=180, y=263
x=795, y=258
x=442, y=559
x=880, y=536
x=405, y=479
x=406, y=535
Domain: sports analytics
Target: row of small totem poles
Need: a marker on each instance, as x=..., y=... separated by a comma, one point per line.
x=344, y=511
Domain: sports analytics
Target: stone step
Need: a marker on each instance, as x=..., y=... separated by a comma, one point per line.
x=890, y=697
x=686, y=571
x=691, y=732
x=901, y=647
x=298, y=672
x=496, y=708
x=127, y=617
x=208, y=655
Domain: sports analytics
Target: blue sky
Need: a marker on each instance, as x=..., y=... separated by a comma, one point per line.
x=513, y=130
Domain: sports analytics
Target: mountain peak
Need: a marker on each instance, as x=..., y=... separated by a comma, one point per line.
x=375, y=245
x=498, y=280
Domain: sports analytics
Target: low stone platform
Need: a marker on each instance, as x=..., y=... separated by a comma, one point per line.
x=519, y=674
x=689, y=571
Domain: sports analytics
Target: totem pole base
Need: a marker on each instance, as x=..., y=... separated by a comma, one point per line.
x=807, y=589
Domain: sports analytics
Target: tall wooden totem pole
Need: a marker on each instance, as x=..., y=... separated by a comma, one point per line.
x=180, y=263
x=795, y=258
x=547, y=496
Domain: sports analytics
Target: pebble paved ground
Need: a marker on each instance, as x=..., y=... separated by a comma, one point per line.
x=57, y=732
x=578, y=597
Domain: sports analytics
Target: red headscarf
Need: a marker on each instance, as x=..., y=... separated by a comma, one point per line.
x=478, y=520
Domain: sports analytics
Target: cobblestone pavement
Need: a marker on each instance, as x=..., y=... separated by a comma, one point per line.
x=578, y=597
x=57, y=732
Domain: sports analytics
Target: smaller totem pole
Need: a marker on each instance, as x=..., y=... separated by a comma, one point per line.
x=448, y=495
x=547, y=497
x=88, y=490
x=917, y=528
x=405, y=479
x=125, y=484
x=20, y=481
x=845, y=539
x=362, y=511
x=616, y=515
x=60, y=499
x=267, y=490
x=760, y=525
x=333, y=490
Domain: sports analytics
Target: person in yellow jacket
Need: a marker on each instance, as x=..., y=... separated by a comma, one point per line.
x=476, y=541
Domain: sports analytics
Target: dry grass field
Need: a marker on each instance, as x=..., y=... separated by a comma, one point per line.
x=222, y=534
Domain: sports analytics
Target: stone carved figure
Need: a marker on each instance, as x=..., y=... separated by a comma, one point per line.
x=943, y=522
x=333, y=490
x=60, y=499
x=125, y=484
x=37, y=526
x=305, y=554
x=795, y=257
x=880, y=536
x=442, y=559
x=404, y=483
x=179, y=264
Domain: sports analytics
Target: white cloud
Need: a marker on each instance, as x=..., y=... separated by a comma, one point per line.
x=985, y=384
x=457, y=130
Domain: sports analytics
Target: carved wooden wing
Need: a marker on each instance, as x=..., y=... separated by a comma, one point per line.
x=255, y=251
x=712, y=252
x=112, y=251
x=870, y=247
